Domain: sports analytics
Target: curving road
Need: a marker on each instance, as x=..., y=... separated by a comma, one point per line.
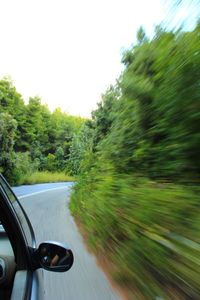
x=47, y=208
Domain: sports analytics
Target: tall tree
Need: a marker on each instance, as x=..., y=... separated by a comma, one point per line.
x=8, y=127
x=11, y=102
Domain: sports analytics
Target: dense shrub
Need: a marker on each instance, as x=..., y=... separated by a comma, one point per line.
x=149, y=230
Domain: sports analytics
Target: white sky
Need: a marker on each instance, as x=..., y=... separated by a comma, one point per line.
x=69, y=52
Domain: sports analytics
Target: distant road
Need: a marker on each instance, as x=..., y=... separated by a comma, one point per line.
x=47, y=208
x=34, y=188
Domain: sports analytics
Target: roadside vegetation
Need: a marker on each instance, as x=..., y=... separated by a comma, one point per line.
x=138, y=166
x=32, y=138
x=45, y=177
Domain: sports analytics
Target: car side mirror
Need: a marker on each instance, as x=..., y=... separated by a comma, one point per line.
x=54, y=256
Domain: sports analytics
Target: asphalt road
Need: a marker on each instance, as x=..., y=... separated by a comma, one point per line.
x=47, y=208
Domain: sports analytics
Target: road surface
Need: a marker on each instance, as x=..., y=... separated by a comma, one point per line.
x=47, y=208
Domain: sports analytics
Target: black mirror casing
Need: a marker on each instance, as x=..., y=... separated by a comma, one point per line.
x=53, y=256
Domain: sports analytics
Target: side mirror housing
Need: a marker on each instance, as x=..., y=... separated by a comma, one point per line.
x=53, y=256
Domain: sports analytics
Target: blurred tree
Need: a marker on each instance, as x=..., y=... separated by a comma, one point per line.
x=141, y=36
x=60, y=160
x=81, y=147
x=103, y=116
x=144, y=140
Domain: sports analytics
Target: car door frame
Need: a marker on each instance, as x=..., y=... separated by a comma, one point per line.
x=17, y=237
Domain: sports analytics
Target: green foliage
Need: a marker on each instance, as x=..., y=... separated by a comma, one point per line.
x=11, y=102
x=8, y=127
x=50, y=162
x=148, y=230
x=141, y=36
x=59, y=157
x=137, y=194
x=23, y=166
x=104, y=116
x=33, y=134
x=45, y=177
x=155, y=119
x=81, y=149
x=63, y=127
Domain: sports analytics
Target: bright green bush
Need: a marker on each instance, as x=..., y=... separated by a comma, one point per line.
x=45, y=176
x=23, y=166
x=149, y=230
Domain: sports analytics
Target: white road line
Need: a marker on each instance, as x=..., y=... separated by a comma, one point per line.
x=28, y=195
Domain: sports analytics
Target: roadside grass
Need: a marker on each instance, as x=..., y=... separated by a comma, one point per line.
x=45, y=177
x=149, y=232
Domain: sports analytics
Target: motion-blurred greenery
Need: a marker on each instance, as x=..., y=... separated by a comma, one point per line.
x=149, y=230
x=138, y=191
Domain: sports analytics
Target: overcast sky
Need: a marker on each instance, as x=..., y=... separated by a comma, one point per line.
x=69, y=52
